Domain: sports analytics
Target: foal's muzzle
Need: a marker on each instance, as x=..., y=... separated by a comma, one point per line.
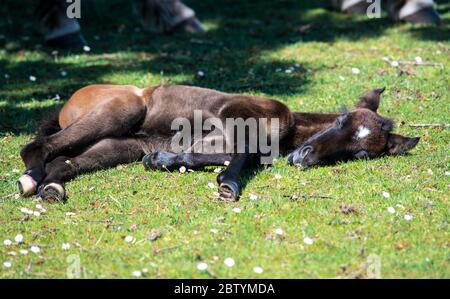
x=299, y=156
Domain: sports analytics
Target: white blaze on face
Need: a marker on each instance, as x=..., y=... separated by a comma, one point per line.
x=362, y=132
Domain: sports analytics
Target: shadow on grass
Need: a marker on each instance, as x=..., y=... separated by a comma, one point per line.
x=231, y=53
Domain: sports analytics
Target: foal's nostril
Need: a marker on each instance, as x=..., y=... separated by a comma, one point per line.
x=305, y=151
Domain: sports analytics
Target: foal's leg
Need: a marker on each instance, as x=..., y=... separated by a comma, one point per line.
x=171, y=161
x=229, y=185
x=112, y=119
x=229, y=180
x=103, y=154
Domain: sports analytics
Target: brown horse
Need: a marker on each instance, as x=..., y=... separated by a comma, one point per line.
x=105, y=125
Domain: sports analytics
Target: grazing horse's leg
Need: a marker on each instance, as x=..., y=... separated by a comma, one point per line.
x=103, y=154
x=167, y=160
x=112, y=119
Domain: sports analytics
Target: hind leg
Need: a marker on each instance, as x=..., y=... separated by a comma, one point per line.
x=103, y=154
x=112, y=119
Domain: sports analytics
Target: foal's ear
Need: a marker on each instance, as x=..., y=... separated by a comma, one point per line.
x=371, y=100
x=398, y=144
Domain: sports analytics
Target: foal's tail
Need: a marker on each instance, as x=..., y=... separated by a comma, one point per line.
x=48, y=125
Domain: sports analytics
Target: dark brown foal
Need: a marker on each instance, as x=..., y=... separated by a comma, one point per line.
x=102, y=126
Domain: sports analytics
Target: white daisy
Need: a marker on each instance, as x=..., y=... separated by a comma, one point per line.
x=391, y=210
x=386, y=194
x=18, y=238
x=236, y=210
x=307, y=241
x=408, y=217
x=35, y=249
x=229, y=262
x=7, y=264
x=277, y=176
x=182, y=169
x=202, y=266
x=253, y=196
x=129, y=239
x=23, y=251
x=7, y=242
x=279, y=231
x=137, y=273
x=258, y=270
x=65, y=246
x=26, y=211
x=355, y=70
x=211, y=185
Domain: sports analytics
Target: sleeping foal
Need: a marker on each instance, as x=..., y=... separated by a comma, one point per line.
x=102, y=126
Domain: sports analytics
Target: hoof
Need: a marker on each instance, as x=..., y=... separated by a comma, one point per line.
x=52, y=192
x=427, y=15
x=192, y=25
x=159, y=160
x=352, y=7
x=229, y=191
x=71, y=41
x=27, y=185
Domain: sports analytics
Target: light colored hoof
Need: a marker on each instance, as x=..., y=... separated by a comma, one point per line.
x=27, y=185
x=53, y=192
x=229, y=191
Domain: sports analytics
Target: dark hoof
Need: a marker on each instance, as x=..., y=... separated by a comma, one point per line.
x=359, y=8
x=72, y=41
x=425, y=16
x=27, y=185
x=159, y=160
x=229, y=191
x=191, y=25
x=52, y=192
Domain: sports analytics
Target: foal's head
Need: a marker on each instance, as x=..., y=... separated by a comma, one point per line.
x=358, y=133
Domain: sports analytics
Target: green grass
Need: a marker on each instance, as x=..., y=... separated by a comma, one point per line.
x=244, y=46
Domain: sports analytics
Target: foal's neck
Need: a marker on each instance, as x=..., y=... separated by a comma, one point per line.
x=308, y=124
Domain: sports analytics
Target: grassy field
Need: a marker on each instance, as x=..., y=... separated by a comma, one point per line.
x=247, y=49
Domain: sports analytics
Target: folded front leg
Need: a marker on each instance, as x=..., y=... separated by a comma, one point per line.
x=171, y=161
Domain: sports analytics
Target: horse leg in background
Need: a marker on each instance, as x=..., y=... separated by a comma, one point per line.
x=169, y=16
x=58, y=29
x=103, y=154
x=111, y=119
x=414, y=11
